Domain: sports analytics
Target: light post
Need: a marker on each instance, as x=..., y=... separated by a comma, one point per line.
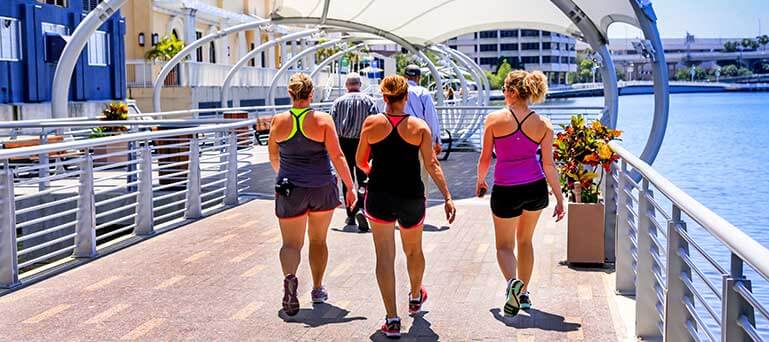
x=718, y=74
x=693, y=72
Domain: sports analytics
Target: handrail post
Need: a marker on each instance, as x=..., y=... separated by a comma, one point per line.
x=145, y=215
x=85, y=238
x=192, y=207
x=9, y=262
x=231, y=184
x=132, y=158
x=647, y=316
x=625, y=282
x=734, y=305
x=44, y=167
x=610, y=214
x=676, y=315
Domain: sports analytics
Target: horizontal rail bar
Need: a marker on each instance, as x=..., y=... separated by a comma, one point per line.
x=740, y=243
x=693, y=267
x=688, y=283
x=693, y=312
x=740, y=288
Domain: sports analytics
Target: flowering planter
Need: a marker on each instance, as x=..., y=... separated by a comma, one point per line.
x=585, y=244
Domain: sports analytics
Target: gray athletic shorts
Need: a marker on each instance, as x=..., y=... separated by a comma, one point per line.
x=302, y=200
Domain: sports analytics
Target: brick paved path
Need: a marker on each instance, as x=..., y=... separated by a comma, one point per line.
x=219, y=279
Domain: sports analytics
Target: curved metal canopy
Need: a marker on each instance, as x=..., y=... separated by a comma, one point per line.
x=424, y=22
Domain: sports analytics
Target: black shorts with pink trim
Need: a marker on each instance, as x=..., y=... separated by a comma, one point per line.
x=383, y=207
x=302, y=200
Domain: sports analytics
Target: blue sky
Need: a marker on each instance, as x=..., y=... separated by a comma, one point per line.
x=706, y=18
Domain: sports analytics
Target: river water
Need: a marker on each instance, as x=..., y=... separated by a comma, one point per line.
x=715, y=149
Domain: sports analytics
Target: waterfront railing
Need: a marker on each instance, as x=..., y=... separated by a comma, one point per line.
x=108, y=188
x=693, y=274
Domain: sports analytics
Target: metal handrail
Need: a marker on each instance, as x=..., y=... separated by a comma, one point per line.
x=639, y=269
x=113, y=123
x=81, y=144
x=748, y=249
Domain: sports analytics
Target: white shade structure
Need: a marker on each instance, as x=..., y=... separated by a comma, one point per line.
x=425, y=22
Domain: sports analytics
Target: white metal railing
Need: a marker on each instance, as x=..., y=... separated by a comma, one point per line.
x=114, y=186
x=685, y=265
x=142, y=73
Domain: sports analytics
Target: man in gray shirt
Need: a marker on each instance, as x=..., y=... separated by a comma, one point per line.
x=349, y=111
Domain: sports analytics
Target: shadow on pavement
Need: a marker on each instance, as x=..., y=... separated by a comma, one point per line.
x=535, y=319
x=320, y=315
x=419, y=331
x=350, y=229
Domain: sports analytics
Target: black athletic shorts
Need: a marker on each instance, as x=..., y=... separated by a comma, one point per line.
x=302, y=200
x=511, y=201
x=383, y=207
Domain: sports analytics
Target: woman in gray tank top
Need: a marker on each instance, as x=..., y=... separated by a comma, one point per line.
x=302, y=145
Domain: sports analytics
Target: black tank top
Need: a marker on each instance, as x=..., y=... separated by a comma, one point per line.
x=395, y=165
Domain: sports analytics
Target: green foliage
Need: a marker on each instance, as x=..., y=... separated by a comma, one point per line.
x=729, y=70
x=730, y=46
x=763, y=40
x=116, y=111
x=620, y=73
x=743, y=71
x=684, y=74
x=749, y=43
x=579, y=150
x=167, y=48
x=497, y=80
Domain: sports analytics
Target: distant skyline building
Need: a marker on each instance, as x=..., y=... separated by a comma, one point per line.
x=552, y=53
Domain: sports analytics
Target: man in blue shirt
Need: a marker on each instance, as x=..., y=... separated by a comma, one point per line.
x=420, y=104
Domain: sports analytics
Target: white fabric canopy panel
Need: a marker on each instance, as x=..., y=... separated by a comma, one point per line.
x=426, y=22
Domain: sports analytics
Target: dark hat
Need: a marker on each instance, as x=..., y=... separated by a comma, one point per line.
x=413, y=71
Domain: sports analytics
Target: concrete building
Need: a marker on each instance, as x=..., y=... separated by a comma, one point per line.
x=552, y=53
x=195, y=83
x=31, y=42
x=683, y=52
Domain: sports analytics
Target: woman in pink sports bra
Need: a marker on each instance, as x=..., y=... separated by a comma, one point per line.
x=520, y=192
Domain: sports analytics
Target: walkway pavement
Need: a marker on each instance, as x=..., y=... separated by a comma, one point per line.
x=219, y=279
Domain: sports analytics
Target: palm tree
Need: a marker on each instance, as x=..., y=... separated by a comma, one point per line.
x=763, y=40
x=165, y=49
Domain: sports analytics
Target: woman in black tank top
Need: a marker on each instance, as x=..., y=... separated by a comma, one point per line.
x=390, y=145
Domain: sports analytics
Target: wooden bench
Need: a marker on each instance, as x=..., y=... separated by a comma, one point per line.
x=31, y=159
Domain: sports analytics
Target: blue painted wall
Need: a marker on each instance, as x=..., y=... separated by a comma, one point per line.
x=29, y=80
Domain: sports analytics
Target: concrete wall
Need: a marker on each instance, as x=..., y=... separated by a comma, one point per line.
x=189, y=98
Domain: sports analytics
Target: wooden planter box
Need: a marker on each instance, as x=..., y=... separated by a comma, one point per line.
x=108, y=149
x=162, y=161
x=585, y=243
x=244, y=141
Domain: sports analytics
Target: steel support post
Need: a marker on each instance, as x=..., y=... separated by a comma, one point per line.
x=677, y=317
x=734, y=307
x=231, y=184
x=9, y=266
x=145, y=211
x=610, y=213
x=85, y=228
x=193, y=207
x=44, y=164
x=625, y=283
x=647, y=317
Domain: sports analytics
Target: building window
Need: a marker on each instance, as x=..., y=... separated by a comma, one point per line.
x=565, y=60
x=212, y=53
x=548, y=59
x=546, y=46
x=98, y=49
x=572, y=60
x=508, y=33
x=488, y=47
x=529, y=33
x=453, y=47
x=509, y=47
x=90, y=5
x=60, y=3
x=546, y=33
x=488, y=34
x=530, y=59
x=9, y=39
x=489, y=61
x=54, y=28
x=530, y=46
x=199, y=50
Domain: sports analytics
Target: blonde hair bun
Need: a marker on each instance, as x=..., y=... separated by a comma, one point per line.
x=531, y=86
x=299, y=86
x=394, y=88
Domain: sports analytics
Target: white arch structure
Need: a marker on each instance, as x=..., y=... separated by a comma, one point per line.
x=585, y=19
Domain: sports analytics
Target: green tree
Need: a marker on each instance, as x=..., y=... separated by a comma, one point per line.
x=497, y=80
x=750, y=44
x=730, y=46
x=729, y=70
x=682, y=74
x=585, y=70
x=763, y=40
x=743, y=71
x=167, y=48
x=620, y=73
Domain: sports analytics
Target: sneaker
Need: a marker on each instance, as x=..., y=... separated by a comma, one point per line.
x=525, y=301
x=319, y=295
x=415, y=304
x=392, y=327
x=362, y=222
x=290, y=300
x=512, y=300
x=350, y=221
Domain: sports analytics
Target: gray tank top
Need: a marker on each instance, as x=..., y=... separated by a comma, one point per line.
x=304, y=161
